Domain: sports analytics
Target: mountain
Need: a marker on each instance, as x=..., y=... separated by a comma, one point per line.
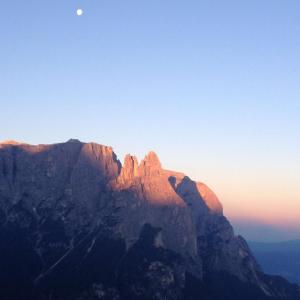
x=76, y=224
x=280, y=258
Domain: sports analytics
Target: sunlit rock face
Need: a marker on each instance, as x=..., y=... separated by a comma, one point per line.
x=76, y=224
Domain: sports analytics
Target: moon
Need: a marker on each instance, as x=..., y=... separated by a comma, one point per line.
x=79, y=12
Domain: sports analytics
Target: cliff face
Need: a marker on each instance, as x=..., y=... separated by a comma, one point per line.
x=76, y=224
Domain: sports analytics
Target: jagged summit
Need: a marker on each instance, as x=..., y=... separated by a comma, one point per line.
x=151, y=159
x=129, y=170
x=76, y=224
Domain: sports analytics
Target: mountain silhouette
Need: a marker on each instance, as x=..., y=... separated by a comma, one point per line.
x=77, y=224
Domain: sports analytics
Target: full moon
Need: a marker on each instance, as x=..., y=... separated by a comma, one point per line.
x=79, y=12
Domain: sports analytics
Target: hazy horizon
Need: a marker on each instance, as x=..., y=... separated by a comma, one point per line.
x=212, y=87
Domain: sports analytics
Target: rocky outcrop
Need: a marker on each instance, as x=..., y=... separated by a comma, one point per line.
x=76, y=224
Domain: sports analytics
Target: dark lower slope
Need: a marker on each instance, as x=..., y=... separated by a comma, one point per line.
x=100, y=267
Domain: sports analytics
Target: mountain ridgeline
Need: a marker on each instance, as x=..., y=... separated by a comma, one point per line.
x=282, y=258
x=77, y=224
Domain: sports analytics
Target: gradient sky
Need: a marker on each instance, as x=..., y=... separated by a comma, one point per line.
x=212, y=86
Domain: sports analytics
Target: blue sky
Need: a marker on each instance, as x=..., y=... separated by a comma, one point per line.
x=212, y=86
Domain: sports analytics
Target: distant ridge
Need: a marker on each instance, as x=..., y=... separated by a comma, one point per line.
x=279, y=258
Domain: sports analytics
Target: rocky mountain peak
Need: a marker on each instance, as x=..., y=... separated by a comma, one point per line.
x=129, y=170
x=150, y=165
x=72, y=216
x=152, y=160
